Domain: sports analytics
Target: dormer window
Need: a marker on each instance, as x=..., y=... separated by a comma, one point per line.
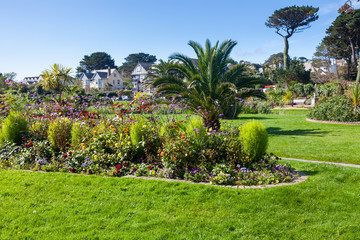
x=139, y=69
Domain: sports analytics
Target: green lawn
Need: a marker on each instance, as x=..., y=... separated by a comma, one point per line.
x=292, y=136
x=38, y=205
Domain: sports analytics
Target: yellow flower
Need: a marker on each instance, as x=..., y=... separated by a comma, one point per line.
x=129, y=143
x=95, y=156
x=121, y=135
x=144, y=126
x=117, y=145
x=119, y=155
x=95, y=132
x=82, y=144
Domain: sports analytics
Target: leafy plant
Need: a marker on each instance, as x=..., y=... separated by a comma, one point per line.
x=254, y=138
x=59, y=133
x=14, y=128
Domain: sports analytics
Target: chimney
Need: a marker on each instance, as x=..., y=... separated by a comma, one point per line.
x=109, y=71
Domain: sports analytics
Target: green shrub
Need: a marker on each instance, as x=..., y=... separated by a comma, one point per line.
x=256, y=107
x=195, y=126
x=254, y=138
x=13, y=128
x=59, y=133
x=38, y=129
x=80, y=133
x=336, y=108
x=137, y=131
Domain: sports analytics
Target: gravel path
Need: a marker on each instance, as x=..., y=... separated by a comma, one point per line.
x=314, y=161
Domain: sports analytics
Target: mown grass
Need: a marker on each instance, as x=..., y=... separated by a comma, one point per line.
x=292, y=136
x=38, y=205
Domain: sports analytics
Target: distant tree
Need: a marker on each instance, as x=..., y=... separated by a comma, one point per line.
x=291, y=20
x=133, y=59
x=343, y=38
x=295, y=73
x=96, y=60
x=275, y=59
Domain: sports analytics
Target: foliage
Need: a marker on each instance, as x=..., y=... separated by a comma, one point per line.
x=255, y=140
x=14, y=128
x=59, y=133
x=80, y=133
x=355, y=95
x=294, y=73
x=343, y=39
x=55, y=78
x=291, y=20
x=335, y=108
x=137, y=131
x=256, y=107
x=208, y=87
x=96, y=61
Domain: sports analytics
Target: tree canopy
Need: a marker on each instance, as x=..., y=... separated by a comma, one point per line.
x=96, y=60
x=343, y=38
x=133, y=59
x=290, y=20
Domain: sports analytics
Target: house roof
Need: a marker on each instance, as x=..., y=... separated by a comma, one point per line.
x=145, y=65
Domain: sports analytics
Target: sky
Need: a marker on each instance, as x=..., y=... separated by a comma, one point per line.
x=38, y=33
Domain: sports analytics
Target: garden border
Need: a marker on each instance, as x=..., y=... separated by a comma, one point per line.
x=302, y=177
x=332, y=122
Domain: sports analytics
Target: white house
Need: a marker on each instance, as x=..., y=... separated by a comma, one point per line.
x=99, y=79
x=138, y=75
x=31, y=80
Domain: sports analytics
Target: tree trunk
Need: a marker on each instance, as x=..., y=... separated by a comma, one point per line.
x=353, y=54
x=286, y=53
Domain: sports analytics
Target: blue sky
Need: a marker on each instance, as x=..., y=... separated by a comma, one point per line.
x=36, y=34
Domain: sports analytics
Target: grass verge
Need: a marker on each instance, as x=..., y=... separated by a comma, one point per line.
x=66, y=206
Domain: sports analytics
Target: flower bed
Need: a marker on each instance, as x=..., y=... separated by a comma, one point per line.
x=68, y=138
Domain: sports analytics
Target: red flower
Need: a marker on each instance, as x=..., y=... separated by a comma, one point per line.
x=119, y=166
x=127, y=164
x=70, y=153
x=149, y=167
x=134, y=169
x=30, y=142
x=25, y=139
x=71, y=170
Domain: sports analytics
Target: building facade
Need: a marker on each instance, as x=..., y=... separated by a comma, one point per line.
x=104, y=79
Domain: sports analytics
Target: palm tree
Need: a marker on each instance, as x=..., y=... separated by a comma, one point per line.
x=55, y=78
x=208, y=87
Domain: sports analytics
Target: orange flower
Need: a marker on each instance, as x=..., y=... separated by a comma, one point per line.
x=83, y=147
x=174, y=159
x=162, y=154
x=113, y=130
x=171, y=140
x=183, y=136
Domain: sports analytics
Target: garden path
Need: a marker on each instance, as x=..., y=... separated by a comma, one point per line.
x=314, y=161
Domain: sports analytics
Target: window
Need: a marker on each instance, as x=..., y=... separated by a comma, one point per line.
x=139, y=69
x=113, y=81
x=114, y=74
x=118, y=81
x=99, y=82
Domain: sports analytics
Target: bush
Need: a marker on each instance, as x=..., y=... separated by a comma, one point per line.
x=336, y=108
x=137, y=131
x=196, y=125
x=256, y=107
x=80, y=133
x=38, y=129
x=59, y=133
x=254, y=138
x=14, y=128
